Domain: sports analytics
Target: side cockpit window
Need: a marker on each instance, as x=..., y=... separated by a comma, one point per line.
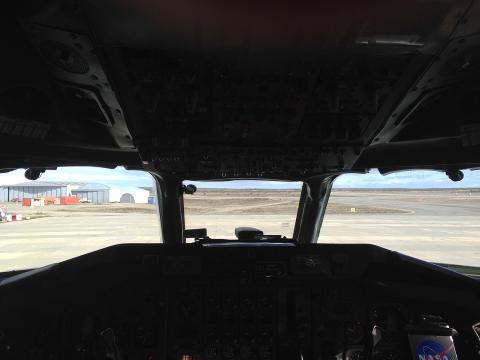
x=423, y=214
x=72, y=211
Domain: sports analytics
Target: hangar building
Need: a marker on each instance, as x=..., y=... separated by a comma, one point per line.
x=95, y=193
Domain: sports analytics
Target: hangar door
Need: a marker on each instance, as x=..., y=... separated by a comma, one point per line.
x=97, y=197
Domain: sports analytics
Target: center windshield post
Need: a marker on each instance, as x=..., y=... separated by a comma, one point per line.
x=313, y=203
x=171, y=208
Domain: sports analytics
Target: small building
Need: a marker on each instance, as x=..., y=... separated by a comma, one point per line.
x=127, y=198
x=130, y=195
x=95, y=193
x=152, y=194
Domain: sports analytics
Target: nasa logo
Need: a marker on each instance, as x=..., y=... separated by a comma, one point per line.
x=432, y=350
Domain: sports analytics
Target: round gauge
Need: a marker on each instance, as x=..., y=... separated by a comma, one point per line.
x=354, y=332
x=311, y=262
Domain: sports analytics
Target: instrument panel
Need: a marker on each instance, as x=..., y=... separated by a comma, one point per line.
x=235, y=302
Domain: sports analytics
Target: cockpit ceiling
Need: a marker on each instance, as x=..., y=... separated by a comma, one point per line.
x=241, y=89
x=217, y=25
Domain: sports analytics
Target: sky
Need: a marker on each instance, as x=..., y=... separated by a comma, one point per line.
x=126, y=179
x=118, y=178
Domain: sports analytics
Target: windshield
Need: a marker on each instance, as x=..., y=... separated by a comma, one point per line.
x=418, y=213
x=221, y=206
x=72, y=211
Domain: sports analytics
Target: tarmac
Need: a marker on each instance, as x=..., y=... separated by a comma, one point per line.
x=38, y=242
x=434, y=228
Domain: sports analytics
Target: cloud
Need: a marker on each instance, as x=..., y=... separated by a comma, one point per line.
x=123, y=179
x=118, y=177
x=246, y=184
x=414, y=179
x=12, y=177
